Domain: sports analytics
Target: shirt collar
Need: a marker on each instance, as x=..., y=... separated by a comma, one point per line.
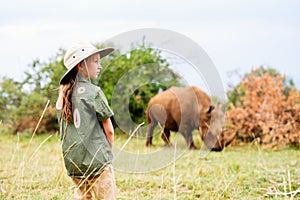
x=84, y=80
x=81, y=79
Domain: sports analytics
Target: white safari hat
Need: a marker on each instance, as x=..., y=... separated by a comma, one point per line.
x=78, y=53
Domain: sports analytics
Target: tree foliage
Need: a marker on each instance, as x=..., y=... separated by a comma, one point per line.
x=11, y=97
x=131, y=79
x=23, y=102
x=267, y=109
x=236, y=93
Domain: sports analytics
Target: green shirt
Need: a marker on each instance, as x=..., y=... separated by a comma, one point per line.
x=86, y=150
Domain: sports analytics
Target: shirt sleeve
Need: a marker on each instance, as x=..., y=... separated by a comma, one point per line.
x=101, y=106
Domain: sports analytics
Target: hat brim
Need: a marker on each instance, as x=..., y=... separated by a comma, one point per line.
x=103, y=52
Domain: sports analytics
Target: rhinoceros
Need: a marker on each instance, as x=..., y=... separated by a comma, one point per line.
x=183, y=109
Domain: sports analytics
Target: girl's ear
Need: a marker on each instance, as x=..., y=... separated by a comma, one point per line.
x=80, y=66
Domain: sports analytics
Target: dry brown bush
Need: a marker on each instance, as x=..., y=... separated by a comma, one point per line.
x=28, y=123
x=265, y=113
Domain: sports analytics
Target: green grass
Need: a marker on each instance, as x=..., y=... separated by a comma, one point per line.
x=33, y=169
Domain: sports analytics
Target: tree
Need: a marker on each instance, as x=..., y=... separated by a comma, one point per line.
x=236, y=93
x=134, y=78
x=11, y=97
x=268, y=110
x=23, y=102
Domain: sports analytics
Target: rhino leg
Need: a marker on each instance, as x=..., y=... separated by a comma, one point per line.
x=191, y=143
x=187, y=134
x=166, y=137
x=151, y=127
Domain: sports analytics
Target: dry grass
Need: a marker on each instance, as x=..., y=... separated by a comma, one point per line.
x=236, y=173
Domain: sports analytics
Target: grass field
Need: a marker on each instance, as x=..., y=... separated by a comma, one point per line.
x=32, y=168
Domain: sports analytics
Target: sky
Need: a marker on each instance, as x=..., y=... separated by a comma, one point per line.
x=236, y=34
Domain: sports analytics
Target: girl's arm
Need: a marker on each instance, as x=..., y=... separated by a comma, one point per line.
x=109, y=131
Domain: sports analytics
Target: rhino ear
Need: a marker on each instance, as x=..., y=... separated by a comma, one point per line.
x=210, y=109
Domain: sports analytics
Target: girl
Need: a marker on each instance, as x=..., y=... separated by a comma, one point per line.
x=86, y=130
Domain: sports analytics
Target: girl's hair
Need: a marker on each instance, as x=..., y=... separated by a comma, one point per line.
x=67, y=90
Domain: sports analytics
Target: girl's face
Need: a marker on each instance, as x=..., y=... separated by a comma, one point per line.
x=93, y=66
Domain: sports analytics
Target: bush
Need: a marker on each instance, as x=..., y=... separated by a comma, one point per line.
x=267, y=111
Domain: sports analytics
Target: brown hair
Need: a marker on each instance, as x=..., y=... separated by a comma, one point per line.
x=67, y=90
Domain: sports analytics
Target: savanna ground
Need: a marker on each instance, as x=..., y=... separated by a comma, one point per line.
x=32, y=168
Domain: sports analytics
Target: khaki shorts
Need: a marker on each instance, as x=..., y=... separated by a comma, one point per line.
x=103, y=186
